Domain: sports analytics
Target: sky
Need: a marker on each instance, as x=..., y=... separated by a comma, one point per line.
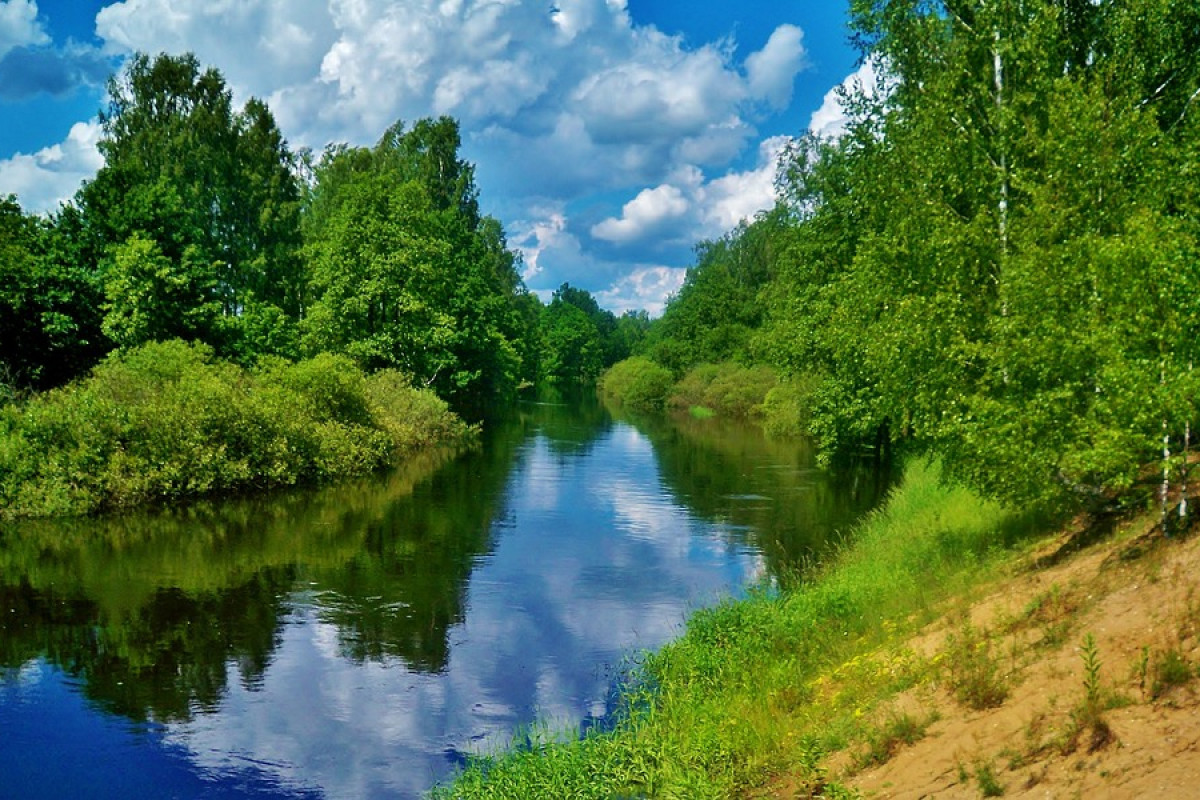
x=608, y=136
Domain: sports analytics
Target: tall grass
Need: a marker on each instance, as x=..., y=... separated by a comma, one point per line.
x=167, y=421
x=772, y=682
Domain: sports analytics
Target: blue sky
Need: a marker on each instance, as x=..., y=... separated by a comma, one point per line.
x=609, y=136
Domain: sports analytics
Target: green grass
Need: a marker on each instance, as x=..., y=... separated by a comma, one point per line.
x=769, y=684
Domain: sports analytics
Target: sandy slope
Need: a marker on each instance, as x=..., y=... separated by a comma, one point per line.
x=1138, y=594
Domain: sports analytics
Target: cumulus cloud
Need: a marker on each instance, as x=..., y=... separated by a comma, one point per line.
x=690, y=207
x=52, y=175
x=572, y=102
x=644, y=215
x=596, y=97
x=830, y=120
x=772, y=71
x=644, y=288
x=19, y=26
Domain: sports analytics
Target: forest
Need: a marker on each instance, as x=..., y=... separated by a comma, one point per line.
x=997, y=263
x=215, y=312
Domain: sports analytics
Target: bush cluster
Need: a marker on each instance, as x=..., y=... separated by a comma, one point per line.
x=167, y=421
x=638, y=383
x=729, y=389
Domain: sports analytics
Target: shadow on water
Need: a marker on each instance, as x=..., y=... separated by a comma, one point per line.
x=771, y=494
x=153, y=610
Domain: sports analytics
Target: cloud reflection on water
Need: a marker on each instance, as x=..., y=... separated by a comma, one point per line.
x=594, y=560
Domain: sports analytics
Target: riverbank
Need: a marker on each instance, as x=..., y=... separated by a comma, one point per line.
x=168, y=422
x=745, y=696
x=953, y=649
x=1089, y=645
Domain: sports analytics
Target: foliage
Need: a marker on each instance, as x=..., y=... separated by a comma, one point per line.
x=166, y=421
x=729, y=389
x=712, y=317
x=787, y=408
x=579, y=340
x=996, y=260
x=637, y=383
x=193, y=219
x=405, y=274
x=49, y=322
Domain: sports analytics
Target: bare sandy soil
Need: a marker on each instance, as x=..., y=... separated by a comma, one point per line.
x=1138, y=595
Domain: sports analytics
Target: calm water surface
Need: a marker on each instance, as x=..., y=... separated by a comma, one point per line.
x=362, y=641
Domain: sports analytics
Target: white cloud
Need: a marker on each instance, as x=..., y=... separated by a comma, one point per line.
x=739, y=196
x=830, y=120
x=52, y=175
x=772, y=71
x=690, y=208
x=643, y=215
x=644, y=288
x=19, y=26
x=570, y=101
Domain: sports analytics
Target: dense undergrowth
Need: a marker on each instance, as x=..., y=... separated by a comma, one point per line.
x=168, y=421
x=728, y=389
x=745, y=694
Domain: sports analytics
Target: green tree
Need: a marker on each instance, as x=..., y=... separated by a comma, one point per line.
x=206, y=183
x=49, y=319
x=572, y=346
x=404, y=273
x=715, y=312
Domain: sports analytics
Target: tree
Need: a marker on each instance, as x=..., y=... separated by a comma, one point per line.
x=713, y=315
x=404, y=273
x=49, y=320
x=572, y=348
x=208, y=184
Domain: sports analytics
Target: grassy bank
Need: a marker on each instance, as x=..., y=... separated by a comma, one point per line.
x=773, y=683
x=167, y=422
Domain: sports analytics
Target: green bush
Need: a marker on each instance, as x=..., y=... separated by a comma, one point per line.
x=787, y=408
x=637, y=383
x=167, y=421
x=729, y=389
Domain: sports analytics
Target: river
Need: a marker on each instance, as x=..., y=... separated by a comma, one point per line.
x=362, y=641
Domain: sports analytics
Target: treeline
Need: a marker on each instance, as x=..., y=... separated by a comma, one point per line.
x=998, y=261
x=204, y=227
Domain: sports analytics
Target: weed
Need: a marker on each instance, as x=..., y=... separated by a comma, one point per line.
x=1171, y=669
x=1089, y=715
x=899, y=729
x=974, y=672
x=985, y=776
x=1142, y=669
x=1091, y=673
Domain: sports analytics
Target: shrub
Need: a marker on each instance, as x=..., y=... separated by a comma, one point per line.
x=731, y=390
x=638, y=383
x=167, y=421
x=787, y=407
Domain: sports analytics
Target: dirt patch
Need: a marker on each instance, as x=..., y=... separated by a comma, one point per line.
x=1097, y=653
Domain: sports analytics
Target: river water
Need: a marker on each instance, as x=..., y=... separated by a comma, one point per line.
x=362, y=641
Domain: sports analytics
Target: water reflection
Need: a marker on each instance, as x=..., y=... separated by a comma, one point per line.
x=356, y=642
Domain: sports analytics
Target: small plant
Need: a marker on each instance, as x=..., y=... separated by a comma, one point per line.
x=1089, y=716
x=985, y=776
x=975, y=676
x=1170, y=669
x=899, y=729
x=1091, y=673
x=1142, y=669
